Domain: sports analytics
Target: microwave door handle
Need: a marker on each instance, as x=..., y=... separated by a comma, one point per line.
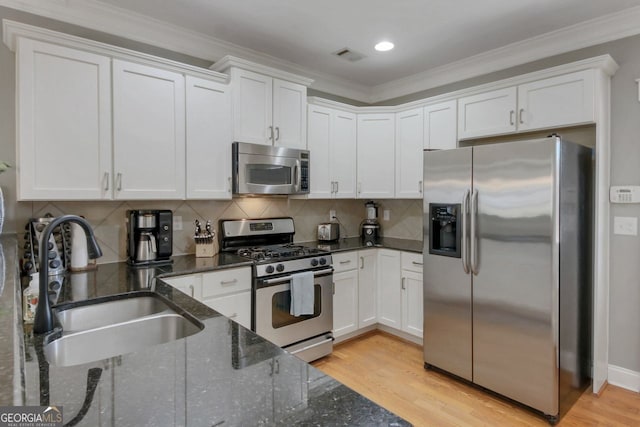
x=296, y=176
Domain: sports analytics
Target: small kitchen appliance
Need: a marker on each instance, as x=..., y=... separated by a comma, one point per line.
x=278, y=264
x=370, y=227
x=328, y=231
x=149, y=237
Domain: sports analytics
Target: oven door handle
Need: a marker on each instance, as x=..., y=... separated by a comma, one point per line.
x=286, y=278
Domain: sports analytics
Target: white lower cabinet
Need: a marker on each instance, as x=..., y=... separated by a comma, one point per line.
x=389, y=288
x=345, y=302
x=367, y=288
x=412, y=303
x=227, y=291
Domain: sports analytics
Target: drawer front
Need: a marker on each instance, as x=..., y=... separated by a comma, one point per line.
x=411, y=261
x=226, y=281
x=344, y=261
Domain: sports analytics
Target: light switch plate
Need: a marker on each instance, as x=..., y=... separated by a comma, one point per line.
x=332, y=214
x=386, y=214
x=626, y=226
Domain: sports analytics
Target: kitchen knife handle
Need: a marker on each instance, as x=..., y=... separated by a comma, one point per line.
x=474, y=240
x=463, y=239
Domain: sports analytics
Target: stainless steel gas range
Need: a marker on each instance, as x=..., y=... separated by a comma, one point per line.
x=278, y=262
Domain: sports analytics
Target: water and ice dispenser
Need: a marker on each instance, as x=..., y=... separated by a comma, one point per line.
x=444, y=236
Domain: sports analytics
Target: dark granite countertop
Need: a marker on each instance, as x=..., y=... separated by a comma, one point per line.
x=355, y=243
x=222, y=375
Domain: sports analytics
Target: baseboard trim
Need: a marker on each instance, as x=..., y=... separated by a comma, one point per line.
x=625, y=378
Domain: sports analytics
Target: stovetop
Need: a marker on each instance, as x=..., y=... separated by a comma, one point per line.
x=278, y=252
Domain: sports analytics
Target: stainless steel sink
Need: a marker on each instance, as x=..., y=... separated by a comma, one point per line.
x=99, y=331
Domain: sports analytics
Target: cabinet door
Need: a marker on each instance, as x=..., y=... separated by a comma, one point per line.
x=190, y=284
x=409, y=146
x=412, y=317
x=252, y=107
x=345, y=303
x=148, y=132
x=208, y=148
x=440, y=126
x=289, y=114
x=343, y=154
x=367, y=288
x=489, y=113
x=389, y=288
x=236, y=307
x=558, y=101
x=376, y=154
x=318, y=140
x=64, y=123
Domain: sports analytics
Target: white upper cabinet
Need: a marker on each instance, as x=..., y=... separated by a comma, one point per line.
x=331, y=139
x=376, y=155
x=557, y=101
x=488, y=113
x=441, y=126
x=564, y=100
x=63, y=123
x=409, y=146
x=148, y=132
x=208, y=139
x=268, y=111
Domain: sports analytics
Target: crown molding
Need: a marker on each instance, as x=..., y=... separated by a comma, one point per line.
x=229, y=61
x=589, y=33
x=109, y=19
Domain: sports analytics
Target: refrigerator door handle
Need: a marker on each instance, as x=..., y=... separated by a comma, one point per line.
x=473, y=240
x=464, y=249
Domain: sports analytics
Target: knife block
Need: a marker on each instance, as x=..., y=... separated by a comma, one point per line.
x=205, y=250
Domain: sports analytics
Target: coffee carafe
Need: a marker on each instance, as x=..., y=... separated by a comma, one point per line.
x=149, y=237
x=370, y=227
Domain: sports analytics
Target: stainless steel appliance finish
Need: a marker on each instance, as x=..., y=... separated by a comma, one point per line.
x=328, y=231
x=264, y=169
x=507, y=286
x=269, y=244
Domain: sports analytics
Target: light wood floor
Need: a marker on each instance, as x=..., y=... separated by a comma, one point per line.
x=390, y=372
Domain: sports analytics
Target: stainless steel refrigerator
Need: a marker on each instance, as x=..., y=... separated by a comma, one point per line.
x=508, y=268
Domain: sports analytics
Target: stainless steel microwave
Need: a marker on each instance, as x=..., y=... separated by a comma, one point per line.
x=264, y=169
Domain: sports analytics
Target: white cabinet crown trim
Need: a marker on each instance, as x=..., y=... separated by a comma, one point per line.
x=12, y=30
x=224, y=64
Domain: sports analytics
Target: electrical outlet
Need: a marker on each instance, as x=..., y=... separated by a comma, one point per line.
x=627, y=226
x=177, y=223
x=386, y=214
x=332, y=214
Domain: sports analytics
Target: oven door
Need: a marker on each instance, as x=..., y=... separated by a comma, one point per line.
x=265, y=174
x=273, y=303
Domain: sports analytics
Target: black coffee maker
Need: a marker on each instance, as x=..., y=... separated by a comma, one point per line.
x=149, y=237
x=370, y=227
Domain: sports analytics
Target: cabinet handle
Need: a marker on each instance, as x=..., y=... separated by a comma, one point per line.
x=521, y=114
x=119, y=181
x=337, y=186
x=361, y=263
x=271, y=133
x=229, y=184
x=511, y=113
x=420, y=187
x=233, y=315
x=402, y=284
x=277, y=133
x=359, y=187
x=228, y=282
x=191, y=290
x=416, y=263
x=346, y=262
x=106, y=181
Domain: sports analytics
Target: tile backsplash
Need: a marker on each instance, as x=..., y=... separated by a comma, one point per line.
x=108, y=218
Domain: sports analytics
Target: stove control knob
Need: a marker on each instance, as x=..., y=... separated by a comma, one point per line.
x=269, y=269
x=323, y=261
x=280, y=267
x=314, y=262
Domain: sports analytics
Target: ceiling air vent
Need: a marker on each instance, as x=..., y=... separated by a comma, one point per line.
x=348, y=54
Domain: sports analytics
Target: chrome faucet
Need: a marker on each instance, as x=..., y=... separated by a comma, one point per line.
x=43, y=321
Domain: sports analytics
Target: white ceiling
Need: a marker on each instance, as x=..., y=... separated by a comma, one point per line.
x=437, y=41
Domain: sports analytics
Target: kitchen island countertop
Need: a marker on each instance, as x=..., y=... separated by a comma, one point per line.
x=222, y=375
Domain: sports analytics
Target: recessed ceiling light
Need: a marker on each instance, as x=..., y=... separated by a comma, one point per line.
x=384, y=46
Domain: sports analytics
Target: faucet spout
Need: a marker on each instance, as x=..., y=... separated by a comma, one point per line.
x=43, y=321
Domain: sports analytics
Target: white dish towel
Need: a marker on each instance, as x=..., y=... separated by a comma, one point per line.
x=302, y=294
